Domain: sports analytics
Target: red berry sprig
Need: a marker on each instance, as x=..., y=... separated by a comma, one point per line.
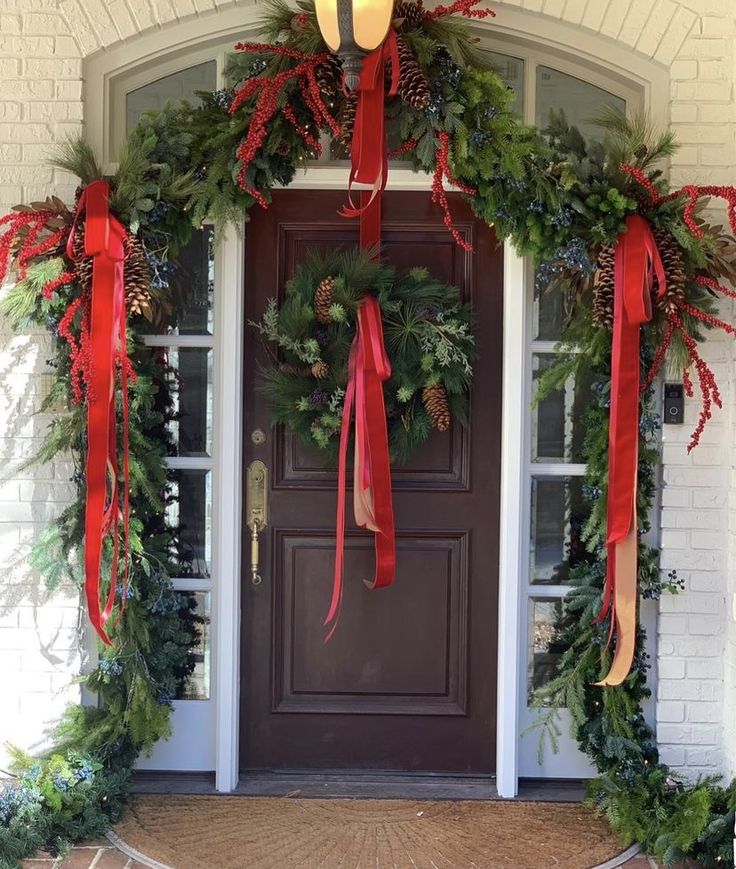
x=643, y=180
x=465, y=8
x=694, y=193
x=52, y=286
x=439, y=194
x=659, y=356
x=270, y=91
x=18, y=240
x=706, y=378
x=409, y=145
x=712, y=284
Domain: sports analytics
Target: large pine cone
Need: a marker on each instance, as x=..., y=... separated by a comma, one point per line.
x=674, y=270
x=347, y=119
x=323, y=299
x=413, y=86
x=329, y=77
x=436, y=405
x=137, y=277
x=603, y=288
x=410, y=13
x=82, y=264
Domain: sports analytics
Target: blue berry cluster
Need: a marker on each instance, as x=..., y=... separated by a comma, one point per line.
x=16, y=797
x=165, y=697
x=111, y=666
x=571, y=257
x=224, y=97
x=318, y=398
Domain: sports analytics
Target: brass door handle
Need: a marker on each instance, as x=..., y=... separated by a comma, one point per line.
x=257, y=513
x=255, y=576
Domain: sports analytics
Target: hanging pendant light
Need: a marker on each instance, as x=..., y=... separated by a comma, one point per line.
x=352, y=29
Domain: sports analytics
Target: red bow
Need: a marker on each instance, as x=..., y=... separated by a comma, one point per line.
x=637, y=261
x=369, y=367
x=104, y=241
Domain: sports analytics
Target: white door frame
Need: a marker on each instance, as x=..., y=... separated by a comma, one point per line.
x=160, y=51
x=230, y=414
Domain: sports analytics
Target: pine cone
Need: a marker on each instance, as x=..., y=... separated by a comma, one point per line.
x=674, y=270
x=82, y=264
x=323, y=298
x=413, y=87
x=409, y=13
x=329, y=77
x=320, y=370
x=137, y=278
x=435, y=403
x=295, y=370
x=347, y=119
x=603, y=288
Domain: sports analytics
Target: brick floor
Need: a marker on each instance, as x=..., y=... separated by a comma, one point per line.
x=102, y=855
x=99, y=855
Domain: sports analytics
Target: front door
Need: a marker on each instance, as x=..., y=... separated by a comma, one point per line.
x=408, y=681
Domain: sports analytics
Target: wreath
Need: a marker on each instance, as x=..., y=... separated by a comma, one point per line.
x=428, y=337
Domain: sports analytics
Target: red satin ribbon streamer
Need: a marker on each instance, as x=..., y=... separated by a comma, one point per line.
x=369, y=367
x=104, y=238
x=369, y=149
x=637, y=261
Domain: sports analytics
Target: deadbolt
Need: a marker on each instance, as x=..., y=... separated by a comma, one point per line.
x=258, y=436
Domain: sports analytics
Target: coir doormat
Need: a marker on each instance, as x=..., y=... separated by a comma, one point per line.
x=201, y=832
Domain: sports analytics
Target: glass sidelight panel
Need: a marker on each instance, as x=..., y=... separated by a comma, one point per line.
x=557, y=420
x=558, y=516
x=191, y=387
x=198, y=684
x=544, y=646
x=190, y=513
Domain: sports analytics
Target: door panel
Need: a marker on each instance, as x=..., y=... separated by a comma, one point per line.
x=408, y=680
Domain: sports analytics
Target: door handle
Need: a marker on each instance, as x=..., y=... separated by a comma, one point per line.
x=257, y=512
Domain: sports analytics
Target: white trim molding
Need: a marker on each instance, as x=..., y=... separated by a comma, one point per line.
x=229, y=314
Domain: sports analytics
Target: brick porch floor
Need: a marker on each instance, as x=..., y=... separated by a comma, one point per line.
x=102, y=855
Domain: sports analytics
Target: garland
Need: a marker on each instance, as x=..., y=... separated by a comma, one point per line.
x=562, y=199
x=428, y=337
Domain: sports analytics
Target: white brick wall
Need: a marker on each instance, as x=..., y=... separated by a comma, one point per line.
x=42, y=45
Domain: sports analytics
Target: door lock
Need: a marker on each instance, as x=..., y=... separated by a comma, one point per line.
x=257, y=513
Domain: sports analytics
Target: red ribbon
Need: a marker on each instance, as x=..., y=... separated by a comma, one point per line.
x=369, y=147
x=368, y=368
x=637, y=261
x=368, y=365
x=104, y=240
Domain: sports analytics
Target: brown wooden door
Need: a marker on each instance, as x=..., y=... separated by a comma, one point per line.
x=408, y=682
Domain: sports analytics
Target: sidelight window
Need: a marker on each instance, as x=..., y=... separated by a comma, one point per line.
x=185, y=343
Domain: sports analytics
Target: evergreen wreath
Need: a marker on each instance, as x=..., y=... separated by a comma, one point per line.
x=427, y=331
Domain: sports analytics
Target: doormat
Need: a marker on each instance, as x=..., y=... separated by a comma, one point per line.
x=200, y=832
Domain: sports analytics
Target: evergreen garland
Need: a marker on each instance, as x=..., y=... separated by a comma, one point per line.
x=427, y=333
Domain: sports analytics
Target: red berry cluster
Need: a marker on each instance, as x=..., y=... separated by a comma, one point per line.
x=269, y=92
x=660, y=355
x=52, y=286
x=712, y=284
x=409, y=145
x=694, y=193
x=706, y=379
x=644, y=181
x=461, y=7
x=19, y=241
x=439, y=194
